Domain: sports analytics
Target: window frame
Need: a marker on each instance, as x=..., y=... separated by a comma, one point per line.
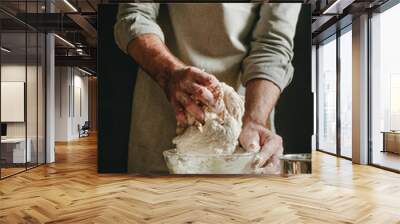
x=334, y=37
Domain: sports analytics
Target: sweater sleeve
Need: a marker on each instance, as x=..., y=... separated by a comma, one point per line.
x=135, y=19
x=271, y=48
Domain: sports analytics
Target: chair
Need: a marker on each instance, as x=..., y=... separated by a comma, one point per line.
x=84, y=130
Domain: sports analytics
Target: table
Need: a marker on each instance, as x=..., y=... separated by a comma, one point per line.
x=13, y=150
x=391, y=141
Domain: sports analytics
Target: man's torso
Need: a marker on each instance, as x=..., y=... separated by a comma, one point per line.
x=214, y=37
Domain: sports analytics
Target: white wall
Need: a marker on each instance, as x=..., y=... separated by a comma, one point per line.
x=50, y=94
x=16, y=72
x=9, y=73
x=79, y=117
x=62, y=81
x=13, y=101
x=69, y=112
x=314, y=91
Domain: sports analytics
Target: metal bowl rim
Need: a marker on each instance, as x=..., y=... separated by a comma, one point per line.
x=296, y=157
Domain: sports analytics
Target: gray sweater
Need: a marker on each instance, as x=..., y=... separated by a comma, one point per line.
x=236, y=42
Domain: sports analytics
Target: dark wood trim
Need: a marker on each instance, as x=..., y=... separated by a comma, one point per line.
x=385, y=168
x=369, y=91
x=26, y=91
x=345, y=157
x=317, y=96
x=45, y=94
x=333, y=154
x=37, y=94
x=330, y=153
x=338, y=91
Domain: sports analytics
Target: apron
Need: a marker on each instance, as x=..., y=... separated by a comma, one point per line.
x=215, y=37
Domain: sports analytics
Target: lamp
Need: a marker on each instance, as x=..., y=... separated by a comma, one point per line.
x=5, y=50
x=70, y=5
x=331, y=8
x=65, y=41
x=84, y=71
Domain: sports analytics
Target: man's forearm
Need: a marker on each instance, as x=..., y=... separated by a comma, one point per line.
x=261, y=97
x=154, y=57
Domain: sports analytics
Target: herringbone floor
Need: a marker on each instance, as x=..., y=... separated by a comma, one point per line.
x=70, y=191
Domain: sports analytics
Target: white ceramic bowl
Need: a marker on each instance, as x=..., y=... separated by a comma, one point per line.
x=183, y=163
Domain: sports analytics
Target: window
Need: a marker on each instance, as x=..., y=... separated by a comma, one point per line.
x=385, y=88
x=333, y=137
x=346, y=93
x=327, y=96
x=22, y=101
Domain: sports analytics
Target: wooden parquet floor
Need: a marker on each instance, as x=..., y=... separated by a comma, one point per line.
x=71, y=191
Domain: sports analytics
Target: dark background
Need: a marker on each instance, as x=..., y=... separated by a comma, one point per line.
x=116, y=78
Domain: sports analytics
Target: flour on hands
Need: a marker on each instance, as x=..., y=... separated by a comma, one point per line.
x=220, y=132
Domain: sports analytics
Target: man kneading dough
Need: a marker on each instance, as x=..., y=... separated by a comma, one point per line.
x=185, y=51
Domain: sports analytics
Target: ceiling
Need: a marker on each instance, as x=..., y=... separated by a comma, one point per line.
x=74, y=21
x=332, y=15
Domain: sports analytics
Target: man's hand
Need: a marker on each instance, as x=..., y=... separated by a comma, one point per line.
x=261, y=97
x=257, y=138
x=188, y=89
